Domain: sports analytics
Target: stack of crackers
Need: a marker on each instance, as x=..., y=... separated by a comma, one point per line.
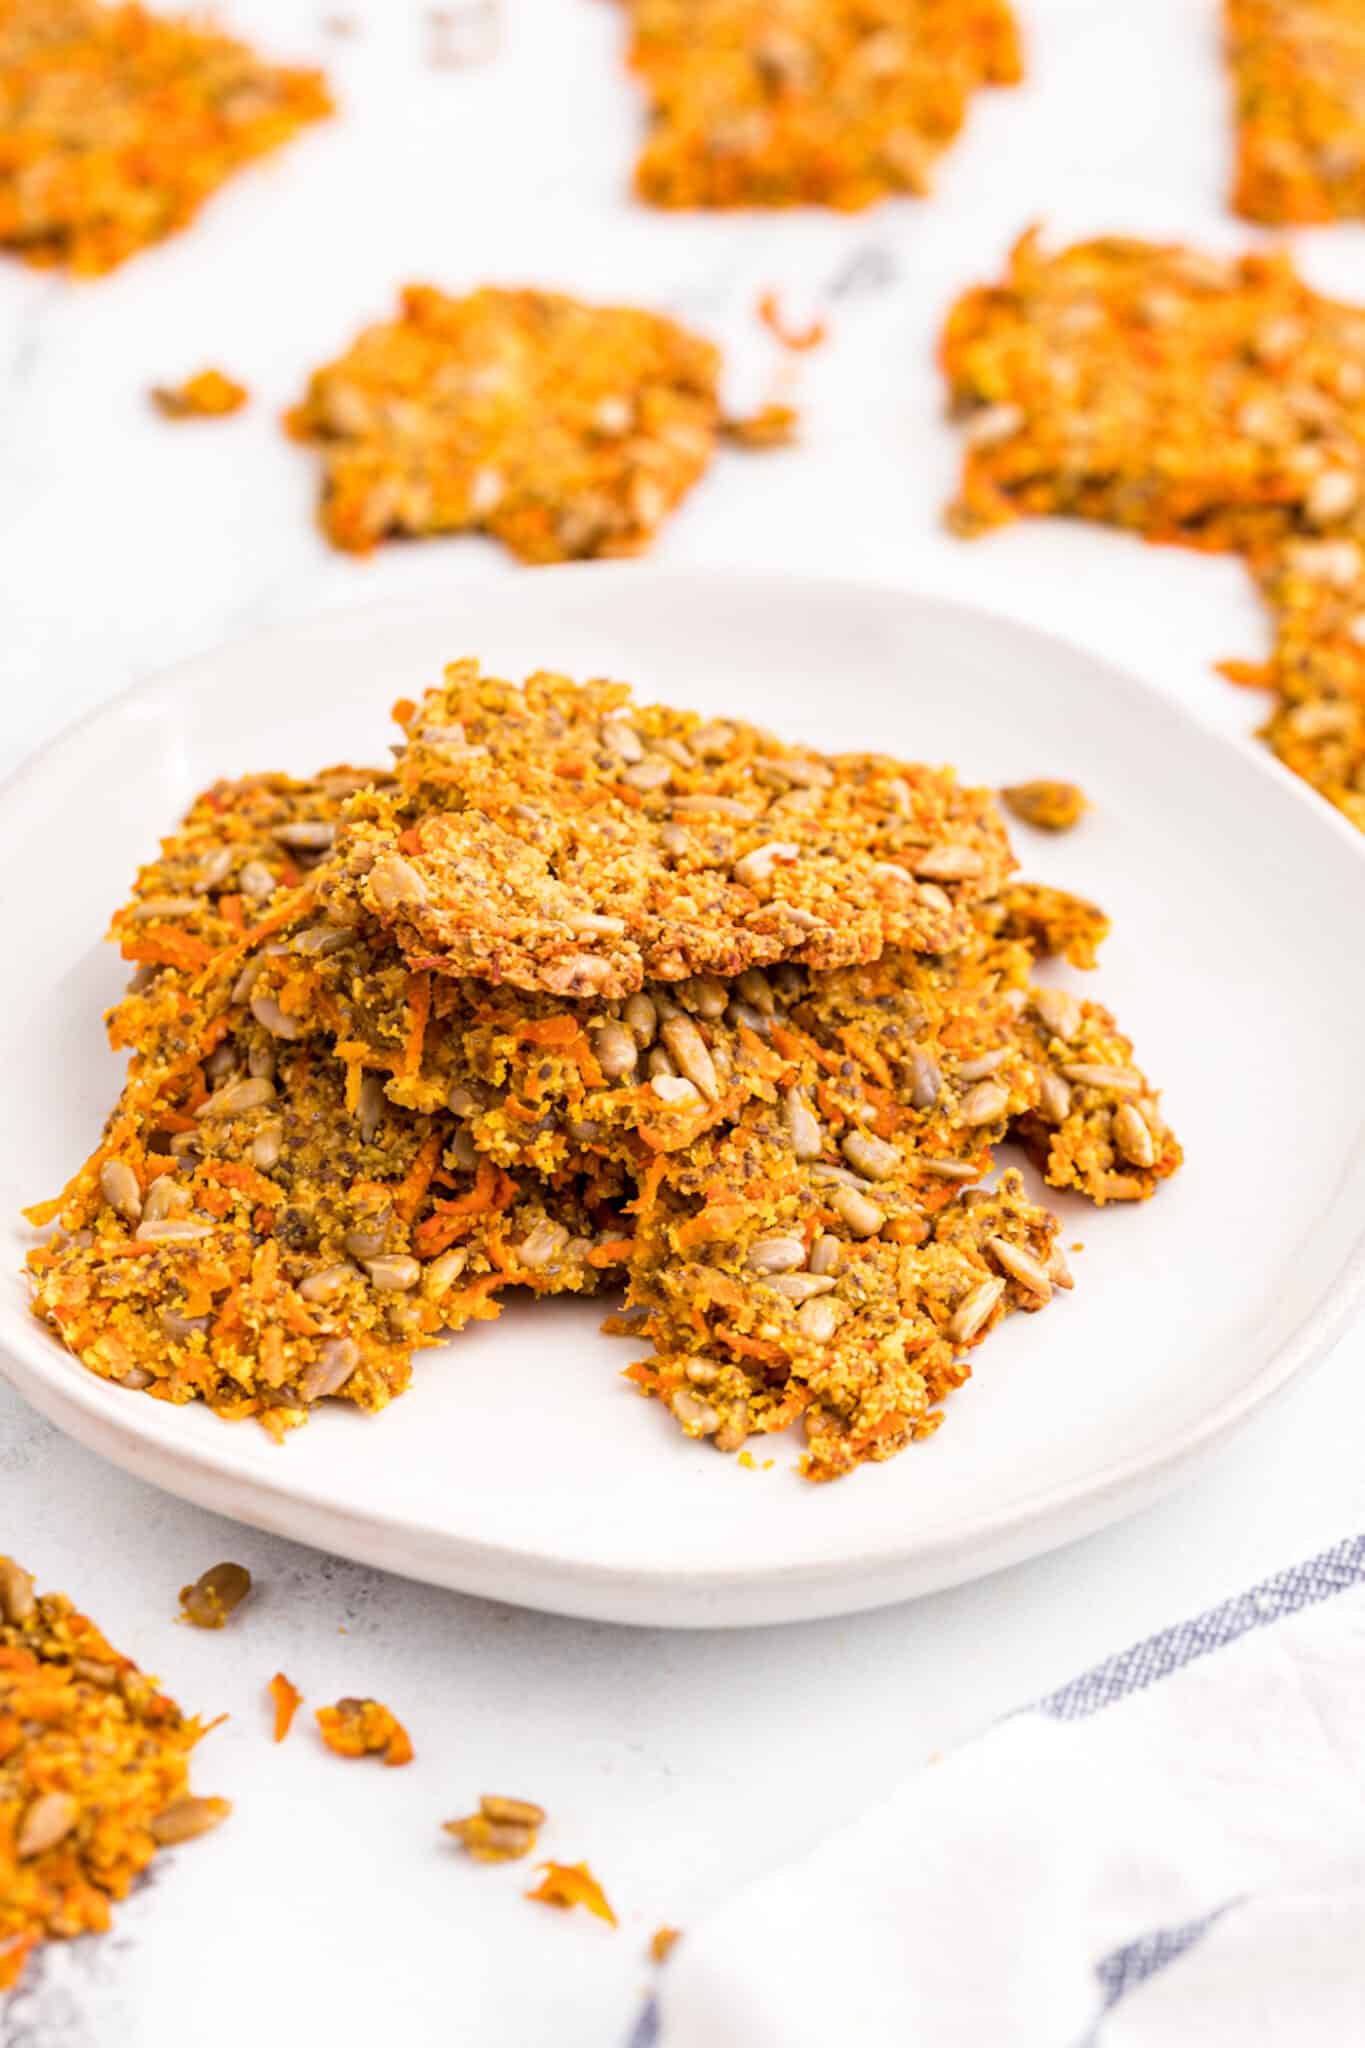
x=584, y=995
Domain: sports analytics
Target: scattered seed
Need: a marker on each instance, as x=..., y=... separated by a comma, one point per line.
x=215, y=1595
x=948, y=1169
x=369, y=1106
x=394, y=882
x=17, y=1597
x=443, y=1272
x=238, y=1098
x=817, y=1321
x=542, y=1244
x=826, y=1253
x=692, y=1054
x=925, y=1080
x=156, y=907
x=1054, y=1096
x=674, y=1090
x=267, y=1145
x=277, y=1022
x=947, y=863
x=615, y=1050
x=322, y=1285
x=186, y=1818
x=800, y=1287
x=256, y=881
x=1058, y=1011
x=642, y=1019
x=756, y=867
x=172, y=1230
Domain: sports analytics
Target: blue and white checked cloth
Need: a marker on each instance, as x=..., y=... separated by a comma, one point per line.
x=1168, y=1853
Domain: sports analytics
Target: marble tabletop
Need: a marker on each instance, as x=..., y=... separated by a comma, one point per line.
x=677, y=1764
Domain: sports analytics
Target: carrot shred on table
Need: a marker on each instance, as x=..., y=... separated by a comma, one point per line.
x=288, y=1699
x=798, y=339
x=572, y=1884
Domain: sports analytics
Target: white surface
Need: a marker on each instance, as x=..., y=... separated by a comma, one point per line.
x=1100, y=1832
x=593, y=1503
x=680, y=1766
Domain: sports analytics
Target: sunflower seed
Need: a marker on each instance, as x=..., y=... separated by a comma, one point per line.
x=948, y=1169
x=756, y=989
x=1058, y=1011
x=214, y=871
x=239, y=1097
x=653, y=772
x=186, y=1818
x=1132, y=1136
x=462, y=1152
x=261, y=1061
x=179, y=1327
x=1020, y=1265
x=620, y=738
x=972, y=1313
x=803, y=1286
x=869, y=1156
x=307, y=835
x=162, y=906
x=825, y=1254
x=757, y=866
x=369, y=1106
x=992, y=424
x=267, y=1145
x=698, y=1418
x=364, y=1243
x=984, y=1103
x=863, y=1218
x=925, y=1080
x=1058, y=1271
x=319, y=939
x=277, y=1022
x=738, y=1013
x=256, y=881
x=47, y=1820
x=672, y=1089
x=542, y=1244
x=703, y=1372
x=947, y=863
x=119, y=1186
x=336, y=1361
x=985, y=1063
x=716, y=806
x=393, y=1272
x=173, y=1230
x=1330, y=497
x=690, y=1051
x=1054, y=1096
x=776, y=1255
x=803, y=1126
x=595, y=924
x=442, y=1273
x=1122, y=1080
x=642, y=1019
x=394, y=881
x=323, y=1284
x=817, y=1321
x=615, y=1050
x=705, y=996
x=165, y=1197
x=17, y=1598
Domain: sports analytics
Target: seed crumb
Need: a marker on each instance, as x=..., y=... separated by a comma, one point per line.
x=798, y=339
x=501, y=1831
x=209, y=395
x=572, y=1884
x=355, y=1728
x=1047, y=806
x=215, y=1595
x=662, y=1942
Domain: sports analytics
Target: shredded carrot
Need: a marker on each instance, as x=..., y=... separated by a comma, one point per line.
x=866, y=1053
x=749, y=1347
x=403, y=711
x=561, y=1029
x=614, y=1252
x=793, y=1044
x=164, y=945
x=288, y=1699
x=414, y=1184
x=797, y=339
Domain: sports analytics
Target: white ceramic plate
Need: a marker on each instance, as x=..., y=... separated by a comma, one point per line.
x=520, y=1465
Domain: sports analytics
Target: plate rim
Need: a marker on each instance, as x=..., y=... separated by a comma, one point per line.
x=78, y=1402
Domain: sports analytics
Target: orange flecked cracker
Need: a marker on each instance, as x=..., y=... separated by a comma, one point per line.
x=562, y=429
x=93, y=1773
x=116, y=124
x=808, y=102
x=1298, y=70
